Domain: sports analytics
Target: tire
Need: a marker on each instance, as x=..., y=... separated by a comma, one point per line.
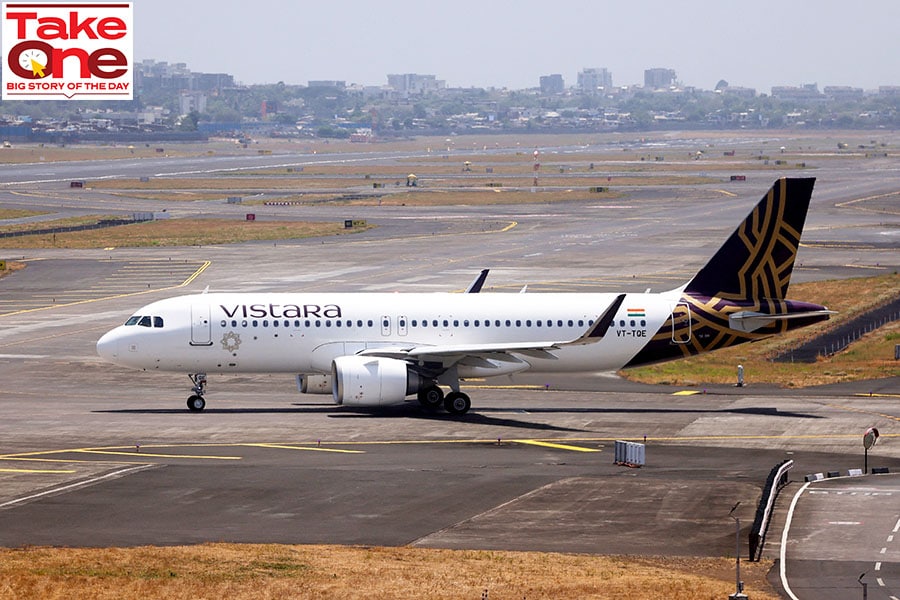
x=196, y=403
x=431, y=397
x=457, y=403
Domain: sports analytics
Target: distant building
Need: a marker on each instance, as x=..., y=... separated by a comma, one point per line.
x=413, y=84
x=329, y=83
x=808, y=91
x=739, y=92
x=843, y=92
x=594, y=81
x=657, y=79
x=192, y=101
x=552, y=84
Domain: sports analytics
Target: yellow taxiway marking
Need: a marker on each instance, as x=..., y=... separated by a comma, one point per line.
x=310, y=448
x=52, y=471
x=556, y=445
x=866, y=412
x=726, y=193
x=146, y=455
x=686, y=393
x=193, y=276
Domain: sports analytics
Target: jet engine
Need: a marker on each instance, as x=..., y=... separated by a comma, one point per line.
x=373, y=381
x=314, y=384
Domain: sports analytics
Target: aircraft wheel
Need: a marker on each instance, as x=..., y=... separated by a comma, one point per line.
x=196, y=403
x=457, y=403
x=431, y=397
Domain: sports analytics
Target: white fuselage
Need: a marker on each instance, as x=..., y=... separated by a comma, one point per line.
x=303, y=333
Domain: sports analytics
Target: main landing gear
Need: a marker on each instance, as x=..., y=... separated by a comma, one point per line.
x=455, y=403
x=196, y=403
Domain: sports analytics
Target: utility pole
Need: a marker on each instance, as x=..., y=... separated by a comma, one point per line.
x=738, y=584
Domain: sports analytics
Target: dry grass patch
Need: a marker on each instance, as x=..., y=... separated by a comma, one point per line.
x=12, y=213
x=871, y=357
x=336, y=572
x=181, y=232
x=35, y=153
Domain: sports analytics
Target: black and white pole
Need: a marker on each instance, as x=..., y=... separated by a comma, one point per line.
x=869, y=439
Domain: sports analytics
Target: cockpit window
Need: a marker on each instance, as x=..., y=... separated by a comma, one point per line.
x=157, y=321
x=144, y=322
x=133, y=320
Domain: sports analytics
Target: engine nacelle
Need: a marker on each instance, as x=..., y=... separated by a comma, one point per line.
x=372, y=381
x=314, y=384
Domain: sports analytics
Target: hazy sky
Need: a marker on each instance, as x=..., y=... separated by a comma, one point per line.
x=751, y=43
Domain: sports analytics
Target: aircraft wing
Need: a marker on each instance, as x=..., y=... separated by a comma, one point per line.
x=536, y=349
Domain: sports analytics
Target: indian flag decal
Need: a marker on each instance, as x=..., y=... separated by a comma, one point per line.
x=636, y=312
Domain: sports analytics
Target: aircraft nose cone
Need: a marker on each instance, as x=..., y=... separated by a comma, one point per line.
x=108, y=346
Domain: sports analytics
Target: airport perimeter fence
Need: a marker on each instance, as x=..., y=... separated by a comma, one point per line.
x=840, y=338
x=54, y=230
x=777, y=479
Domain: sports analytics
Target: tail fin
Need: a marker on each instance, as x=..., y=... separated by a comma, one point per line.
x=757, y=260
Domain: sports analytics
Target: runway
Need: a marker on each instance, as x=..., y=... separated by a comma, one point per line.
x=93, y=455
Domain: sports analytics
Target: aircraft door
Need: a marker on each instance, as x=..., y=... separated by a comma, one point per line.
x=385, y=325
x=682, y=323
x=201, y=328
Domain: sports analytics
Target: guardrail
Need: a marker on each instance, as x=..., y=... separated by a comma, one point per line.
x=778, y=478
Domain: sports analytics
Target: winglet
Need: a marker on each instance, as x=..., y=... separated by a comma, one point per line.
x=476, y=284
x=601, y=325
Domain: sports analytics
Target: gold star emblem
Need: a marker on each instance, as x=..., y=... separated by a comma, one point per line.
x=231, y=341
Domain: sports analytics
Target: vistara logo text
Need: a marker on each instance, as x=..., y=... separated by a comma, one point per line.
x=74, y=51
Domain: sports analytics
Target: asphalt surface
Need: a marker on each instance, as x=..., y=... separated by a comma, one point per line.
x=94, y=455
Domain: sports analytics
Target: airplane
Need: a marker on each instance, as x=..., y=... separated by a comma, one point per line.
x=375, y=349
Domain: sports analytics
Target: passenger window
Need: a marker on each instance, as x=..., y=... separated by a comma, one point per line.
x=571, y=323
x=223, y=323
x=518, y=323
x=265, y=322
x=632, y=323
x=466, y=323
x=318, y=323
x=497, y=323
x=337, y=323
x=487, y=322
x=144, y=322
x=369, y=322
x=643, y=323
x=538, y=322
x=622, y=323
x=306, y=323
x=508, y=322
x=581, y=322
x=434, y=322
x=243, y=323
x=528, y=323
x=446, y=323
x=414, y=323
x=327, y=323
x=255, y=323
x=275, y=323
x=455, y=323
x=477, y=323
x=359, y=323
x=424, y=323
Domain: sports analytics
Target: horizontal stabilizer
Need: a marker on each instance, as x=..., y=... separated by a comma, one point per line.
x=748, y=320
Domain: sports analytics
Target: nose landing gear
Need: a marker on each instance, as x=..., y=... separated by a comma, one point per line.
x=195, y=402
